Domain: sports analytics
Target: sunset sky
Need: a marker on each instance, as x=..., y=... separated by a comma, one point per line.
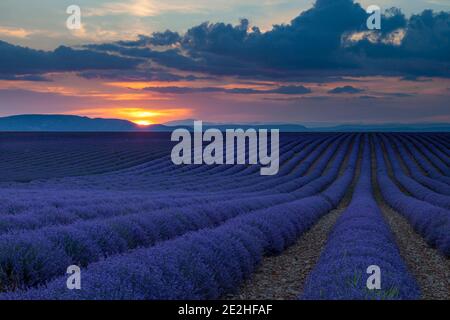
x=292, y=61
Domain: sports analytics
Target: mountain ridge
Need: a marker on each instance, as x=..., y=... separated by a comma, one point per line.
x=74, y=123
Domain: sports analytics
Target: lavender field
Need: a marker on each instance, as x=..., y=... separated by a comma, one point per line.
x=140, y=227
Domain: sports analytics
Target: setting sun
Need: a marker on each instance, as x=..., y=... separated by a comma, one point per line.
x=143, y=122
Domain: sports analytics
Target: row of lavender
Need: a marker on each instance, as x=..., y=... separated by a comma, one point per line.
x=361, y=237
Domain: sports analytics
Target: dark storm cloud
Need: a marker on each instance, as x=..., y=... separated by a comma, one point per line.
x=424, y=50
x=393, y=19
x=346, y=89
x=428, y=36
x=312, y=42
x=285, y=90
x=16, y=60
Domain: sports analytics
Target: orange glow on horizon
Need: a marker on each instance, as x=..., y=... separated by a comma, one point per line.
x=139, y=116
x=145, y=117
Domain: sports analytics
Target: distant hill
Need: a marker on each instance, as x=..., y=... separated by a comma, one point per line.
x=178, y=123
x=69, y=123
x=289, y=127
x=414, y=127
x=36, y=122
